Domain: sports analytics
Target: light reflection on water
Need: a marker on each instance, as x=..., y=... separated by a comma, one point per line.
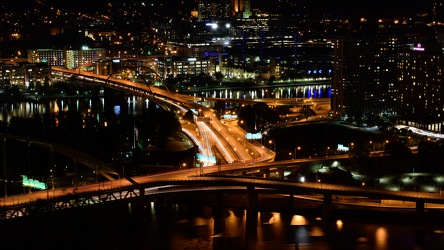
x=136, y=105
x=281, y=231
x=305, y=91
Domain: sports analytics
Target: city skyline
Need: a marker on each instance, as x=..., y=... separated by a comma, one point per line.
x=272, y=40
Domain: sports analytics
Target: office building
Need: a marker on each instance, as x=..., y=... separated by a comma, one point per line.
x=364, y=74
x=420, y=86
x=66, y=58
x=214, y=10
x=185, y=65
x=24, y=75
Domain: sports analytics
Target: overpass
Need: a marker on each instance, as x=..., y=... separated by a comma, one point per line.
x=223, y=186
x=101, y=167
x=146, y=88
x=143, y=188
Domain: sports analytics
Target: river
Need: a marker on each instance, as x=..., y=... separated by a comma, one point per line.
x=176, y=227
x=193, y=226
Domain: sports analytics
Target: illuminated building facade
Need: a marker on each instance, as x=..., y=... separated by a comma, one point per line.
x=421, y=91
x=211, y=10
x=24, y=75
x=66, y=58
x=364, y=74
x=192, y=48
x=49, y=56
x=191, y=65
x=241, y=8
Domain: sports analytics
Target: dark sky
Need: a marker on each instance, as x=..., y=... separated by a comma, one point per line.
x=377, y=8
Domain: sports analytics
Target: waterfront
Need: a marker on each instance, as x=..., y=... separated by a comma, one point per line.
x=183, y=227
x=293, y=91
x=136, y=105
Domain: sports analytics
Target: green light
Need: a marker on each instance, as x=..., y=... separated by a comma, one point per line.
x=33, y=183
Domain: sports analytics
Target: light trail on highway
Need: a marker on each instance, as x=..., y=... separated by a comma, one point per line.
x=164, y=95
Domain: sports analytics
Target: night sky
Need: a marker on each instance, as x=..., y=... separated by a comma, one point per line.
x=372, y=8
x=380, y=8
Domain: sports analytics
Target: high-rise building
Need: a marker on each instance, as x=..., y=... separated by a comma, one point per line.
x=213, y=10
x=364, y=74
x=421, y=91
x=241, y=8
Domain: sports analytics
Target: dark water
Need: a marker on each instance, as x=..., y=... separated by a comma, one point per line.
x=191, y=226
x=136, y=105
x=146, y=226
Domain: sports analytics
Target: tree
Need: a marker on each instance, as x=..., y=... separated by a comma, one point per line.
x=13, y=91
x=272, y=79
x=189, y=116
x=219, y=107
x=219, y=76
x=257, y=115
x=306, y=112
x=157, y=125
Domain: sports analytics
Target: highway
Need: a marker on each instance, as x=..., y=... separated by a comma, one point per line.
x=190, y=177
x=210, y=131
x=239, y=153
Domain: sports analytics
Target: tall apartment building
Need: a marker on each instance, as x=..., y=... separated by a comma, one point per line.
x=364, y=74
x=241, y=8
x=421, y=91
x=66, y=58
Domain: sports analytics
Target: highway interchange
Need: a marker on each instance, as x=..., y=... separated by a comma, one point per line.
x=208, y=133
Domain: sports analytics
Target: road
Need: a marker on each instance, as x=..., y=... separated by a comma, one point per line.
x=214, y=133
x=229, y=138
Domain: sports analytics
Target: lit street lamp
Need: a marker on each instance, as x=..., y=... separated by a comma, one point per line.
x=295, y=151
x=274, y=144
x=383, y=145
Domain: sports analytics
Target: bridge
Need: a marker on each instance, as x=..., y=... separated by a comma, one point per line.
x=144, y=188
x=145, y=87
x=151, y=188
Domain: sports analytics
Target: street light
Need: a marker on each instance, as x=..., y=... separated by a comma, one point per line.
x=274, y=143
x=295, y=151
x=383, y=145
x=317, y=178
x=4, y=165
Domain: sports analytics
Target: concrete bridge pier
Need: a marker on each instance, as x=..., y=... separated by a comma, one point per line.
x=218, y=210
x=265, y=173
x=219, y=226
x=420, y=209
x=115, y=98
x=290, y=204
x=281, y=173
x=251, y=220
x=327, y=211
x=141, y=192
